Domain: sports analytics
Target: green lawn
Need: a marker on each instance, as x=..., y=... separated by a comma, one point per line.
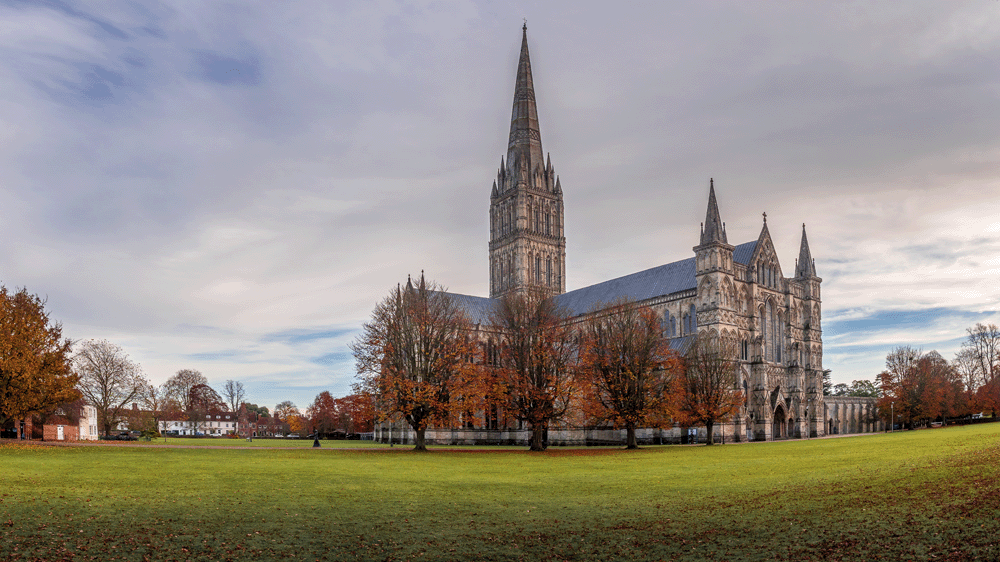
x=931, y=494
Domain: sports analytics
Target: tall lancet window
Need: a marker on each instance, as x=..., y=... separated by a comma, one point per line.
x=763, y=333
x=538, y=269
x=548, y=271
x=774, y=341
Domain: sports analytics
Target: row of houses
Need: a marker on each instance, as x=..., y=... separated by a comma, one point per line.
x=220, y=423
x=79, y=422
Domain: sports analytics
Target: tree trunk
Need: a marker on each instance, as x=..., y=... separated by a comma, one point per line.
x=708, y=433
x=537, y=432
x=630, y=442
x=420, y=444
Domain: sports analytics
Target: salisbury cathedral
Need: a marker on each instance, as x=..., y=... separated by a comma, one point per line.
x=736, y=292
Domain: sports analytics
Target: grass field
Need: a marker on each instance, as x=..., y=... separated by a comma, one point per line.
x=920, y=495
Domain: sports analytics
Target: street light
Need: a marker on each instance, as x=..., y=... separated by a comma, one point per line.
x=892, y=408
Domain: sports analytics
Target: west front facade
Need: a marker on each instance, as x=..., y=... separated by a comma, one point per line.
x=739, y=293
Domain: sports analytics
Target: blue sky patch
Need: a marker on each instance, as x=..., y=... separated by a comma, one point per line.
x=333, y=358
x=227, y=70
x=306, y=335
x=896, y=319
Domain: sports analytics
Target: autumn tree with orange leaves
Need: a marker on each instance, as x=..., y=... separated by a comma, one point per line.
x=323, y=414
x=535, y=361
x=357, y=412
x=919, y=387
x=414, y=355
x=351, y=414
x=710, y=383
x=628, y=371
x=35, y=373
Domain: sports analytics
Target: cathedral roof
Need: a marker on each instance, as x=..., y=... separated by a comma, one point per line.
x=477, y=309
x=743, y=252
x=655, y=282
x=658, y=281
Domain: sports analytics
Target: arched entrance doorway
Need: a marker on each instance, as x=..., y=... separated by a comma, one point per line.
x=778, y=423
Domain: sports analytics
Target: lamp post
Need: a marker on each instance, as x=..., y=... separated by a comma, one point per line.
x=892, y=408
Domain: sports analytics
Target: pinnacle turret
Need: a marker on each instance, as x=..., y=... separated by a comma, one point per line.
x=805, y=266
x=713, y=230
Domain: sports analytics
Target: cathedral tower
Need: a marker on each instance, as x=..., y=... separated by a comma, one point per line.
x=714, y=272
x=527, y=242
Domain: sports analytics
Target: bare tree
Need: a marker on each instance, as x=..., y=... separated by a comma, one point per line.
x=156, y=401
x=711, y=383
x=109, y=380
x=234, y=394
x=285, y=409
x=979, y=364
x=535, y=360
x=627, y=368
x=966, y=364
x=179, y=386
x=413, y=354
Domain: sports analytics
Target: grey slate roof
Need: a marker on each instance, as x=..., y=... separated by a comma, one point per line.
x=651, y=283
x=477, y=309
x=659, y=281
x=743, y=252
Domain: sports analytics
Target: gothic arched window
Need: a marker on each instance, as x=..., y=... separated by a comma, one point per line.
x=763, y=333
x=694, y=320
x=774, y=342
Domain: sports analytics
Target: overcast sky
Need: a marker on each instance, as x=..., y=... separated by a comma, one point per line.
x=230, y=187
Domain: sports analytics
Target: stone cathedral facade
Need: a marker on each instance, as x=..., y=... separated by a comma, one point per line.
x=738, y=293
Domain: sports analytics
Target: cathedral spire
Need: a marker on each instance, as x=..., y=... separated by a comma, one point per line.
x=713, y=230
x=524, y=146
x=527, y=240
x=805, y=267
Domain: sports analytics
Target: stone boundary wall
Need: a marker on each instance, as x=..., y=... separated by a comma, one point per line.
x=557, y=437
